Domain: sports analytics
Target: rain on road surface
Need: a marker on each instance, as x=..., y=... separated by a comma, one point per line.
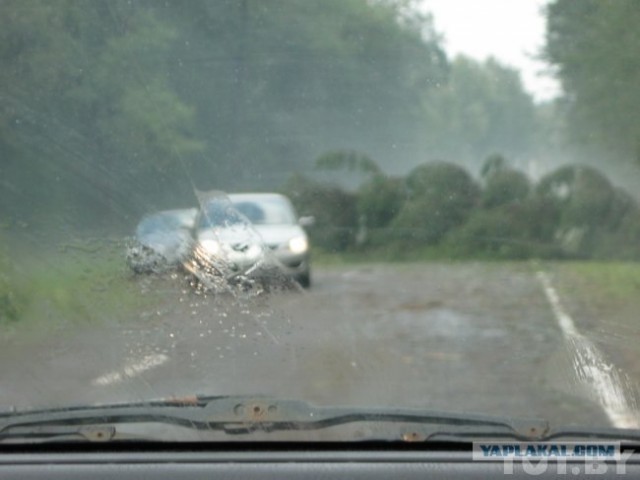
x=468, y=337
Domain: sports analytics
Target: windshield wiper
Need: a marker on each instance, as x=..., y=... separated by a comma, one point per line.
x=238, y=415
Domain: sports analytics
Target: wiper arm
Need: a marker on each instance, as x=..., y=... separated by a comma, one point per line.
x=244, y=415
x=61, y=433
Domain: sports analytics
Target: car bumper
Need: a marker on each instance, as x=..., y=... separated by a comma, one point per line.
x=291, y=265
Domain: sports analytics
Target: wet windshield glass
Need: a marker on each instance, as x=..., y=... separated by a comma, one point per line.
x=426, y=204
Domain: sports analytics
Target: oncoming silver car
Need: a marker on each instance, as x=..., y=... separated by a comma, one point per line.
x=232, y=236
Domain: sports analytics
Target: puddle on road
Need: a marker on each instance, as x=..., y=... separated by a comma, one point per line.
x=433, y=323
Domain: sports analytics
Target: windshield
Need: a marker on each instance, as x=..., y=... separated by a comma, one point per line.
x=425, y=204
x=165, y=222
x=266, y=210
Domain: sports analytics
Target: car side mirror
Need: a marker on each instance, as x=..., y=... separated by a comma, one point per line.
x=308, y=221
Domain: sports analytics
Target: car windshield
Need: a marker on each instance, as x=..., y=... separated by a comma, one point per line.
x=165, y=222
x=265, y=211
x=429, y=205
x=219, y=212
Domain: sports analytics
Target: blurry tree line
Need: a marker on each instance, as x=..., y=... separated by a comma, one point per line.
x=111, y=108
x=572, y=212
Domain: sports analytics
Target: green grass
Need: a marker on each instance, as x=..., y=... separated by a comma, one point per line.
x=72, y=286
x=605, y=281
x=400, y=254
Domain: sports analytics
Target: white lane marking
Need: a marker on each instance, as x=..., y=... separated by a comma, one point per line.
x=131, y=370
x=590, y=365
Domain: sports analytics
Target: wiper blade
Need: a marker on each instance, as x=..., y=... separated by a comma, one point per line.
x=60, y=433
x=244, y=415
x=247, y=414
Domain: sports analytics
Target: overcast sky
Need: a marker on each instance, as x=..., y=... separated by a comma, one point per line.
x=510, y=30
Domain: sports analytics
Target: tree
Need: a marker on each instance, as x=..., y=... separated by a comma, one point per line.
x=584, y=194
x=278, y=84
x=593, y=44
x=483, y=107
x=503, y=185
x=86, y=109
x=584, y=197
x=334, y=211
x=517, y=230
x=440, y=197
x=380, y=199
x=351, y=161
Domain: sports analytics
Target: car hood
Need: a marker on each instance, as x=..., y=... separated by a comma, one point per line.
x=269, y=235
x=168, y=233
x=173, y=246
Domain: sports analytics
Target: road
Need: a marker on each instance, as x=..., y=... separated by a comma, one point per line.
x=468, y=337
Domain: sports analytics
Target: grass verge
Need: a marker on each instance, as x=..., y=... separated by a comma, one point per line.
x=69, y=286
x=601, y=282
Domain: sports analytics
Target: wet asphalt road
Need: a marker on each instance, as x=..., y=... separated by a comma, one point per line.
x=463, y=337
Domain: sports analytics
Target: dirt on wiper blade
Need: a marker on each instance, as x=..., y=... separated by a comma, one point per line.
x=249, y=418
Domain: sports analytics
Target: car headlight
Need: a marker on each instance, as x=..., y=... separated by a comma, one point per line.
x=298, y=244
x=254, y=251
x=212, y=247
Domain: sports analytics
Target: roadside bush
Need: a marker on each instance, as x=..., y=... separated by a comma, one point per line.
x=443, y=180
x=11, y=301
x=9, y=305
x=583, y=193
x=514, y=231
x=623, y=207
x=591, y=210
x=623, y=242
x=628, y=236
x=335, y=212
x=380, y=199
x=504, y=187
x=440, y=198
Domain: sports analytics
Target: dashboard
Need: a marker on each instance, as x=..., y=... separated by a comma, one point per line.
x=138, y=461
